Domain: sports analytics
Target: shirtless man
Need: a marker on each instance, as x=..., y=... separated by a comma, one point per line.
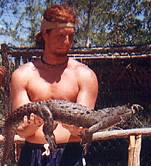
x=54, y=76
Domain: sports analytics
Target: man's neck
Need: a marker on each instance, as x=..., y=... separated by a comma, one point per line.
x=54, y=61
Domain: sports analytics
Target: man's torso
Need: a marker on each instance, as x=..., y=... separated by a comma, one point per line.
x=45, y=84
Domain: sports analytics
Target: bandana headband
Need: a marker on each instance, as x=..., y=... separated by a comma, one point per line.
x=50, y=25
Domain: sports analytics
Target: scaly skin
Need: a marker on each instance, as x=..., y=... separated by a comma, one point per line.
x=65, y=112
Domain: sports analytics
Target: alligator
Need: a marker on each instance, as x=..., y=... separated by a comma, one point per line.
x=64, y=112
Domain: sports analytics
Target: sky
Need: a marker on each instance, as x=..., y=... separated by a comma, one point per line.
x=12, y=20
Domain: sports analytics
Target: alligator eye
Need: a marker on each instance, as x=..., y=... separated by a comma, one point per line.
x=81, y=113
x=67, y=106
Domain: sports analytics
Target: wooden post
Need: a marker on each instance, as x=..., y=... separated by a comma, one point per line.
x=24, y=59
x=5, y=62
x=131, y=150
x=134, y=150
x=17, y=61
x=136, y=158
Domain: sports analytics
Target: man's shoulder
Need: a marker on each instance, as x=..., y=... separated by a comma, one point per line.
x=24, y=69
x=81, y=69
x=77, y=65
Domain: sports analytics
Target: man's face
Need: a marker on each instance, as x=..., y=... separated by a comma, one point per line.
x=59, y=41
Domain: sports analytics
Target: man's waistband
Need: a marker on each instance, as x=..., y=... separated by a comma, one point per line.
x=63, y=145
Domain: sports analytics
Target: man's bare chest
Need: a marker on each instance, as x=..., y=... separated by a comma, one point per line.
x=43, y=89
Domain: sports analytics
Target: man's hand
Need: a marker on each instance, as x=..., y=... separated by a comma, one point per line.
x=29, y=126
x=34, y=121
x=75, y=131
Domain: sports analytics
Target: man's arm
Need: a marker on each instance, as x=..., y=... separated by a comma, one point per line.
x=20, y=97
x=88, y=91
x=88, y=87
x=18, y=89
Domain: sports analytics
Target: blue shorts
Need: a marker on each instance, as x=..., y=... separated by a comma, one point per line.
x=69, y=154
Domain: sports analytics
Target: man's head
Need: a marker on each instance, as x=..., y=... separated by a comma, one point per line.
x=55, y=17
